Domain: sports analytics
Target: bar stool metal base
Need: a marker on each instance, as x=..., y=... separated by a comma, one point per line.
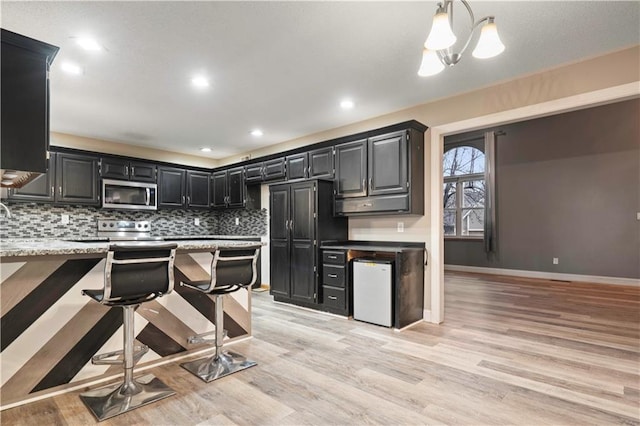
x=112, y=400
x=215, y=367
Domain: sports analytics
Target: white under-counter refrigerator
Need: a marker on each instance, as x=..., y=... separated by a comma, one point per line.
x=373, y=291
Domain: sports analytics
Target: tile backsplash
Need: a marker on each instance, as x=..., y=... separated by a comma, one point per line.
x=36, y=220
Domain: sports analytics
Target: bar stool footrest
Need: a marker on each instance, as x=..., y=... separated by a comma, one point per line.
x=212, y=368
x=200, y=338
x=101, y=359
x=109, y=401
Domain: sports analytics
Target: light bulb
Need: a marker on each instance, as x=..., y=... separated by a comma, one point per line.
x=431, y=64
x=489, y=43
x=441, y=36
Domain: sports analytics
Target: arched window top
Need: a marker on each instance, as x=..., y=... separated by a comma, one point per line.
x=463, y=160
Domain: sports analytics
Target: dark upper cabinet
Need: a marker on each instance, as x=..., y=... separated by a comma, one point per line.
x=229, y=189
x=274, y=169
x=40, y=189
x=24, y=102
x=235, y=187
x=198, y=189
x=116, y=168
x=300, y=219
x=351, y=169
x=76, y=179
x=297, y=166
x=253, y=173
x=171, y=187
x=392, y=177
x=321, y=163
x=388, y=164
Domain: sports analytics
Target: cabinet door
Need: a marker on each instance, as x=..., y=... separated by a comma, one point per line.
x=388, y=170
x=198, y=189
x=253, y=173
x=114, y=168
x=24, y=102
x=219, y=187
x=171, y=187
x=274, y=169
x=142, y=172
x=351, y=169
x=303, y=253
x=297, y=166
x=280, y=262
x=321, y=163
x=235, y=190
x=77, y=179
x=41, y=189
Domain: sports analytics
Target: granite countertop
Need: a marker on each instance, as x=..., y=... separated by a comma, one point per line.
x=50, y=247
x=373, y=246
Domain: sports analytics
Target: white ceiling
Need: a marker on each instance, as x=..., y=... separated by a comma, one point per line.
x=283, y=66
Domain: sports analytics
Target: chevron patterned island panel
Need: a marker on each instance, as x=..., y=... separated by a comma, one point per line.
x=50, y=331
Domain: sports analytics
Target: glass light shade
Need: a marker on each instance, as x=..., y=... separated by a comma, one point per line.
x=431, y=64
x=441, y=36
x=489, y=44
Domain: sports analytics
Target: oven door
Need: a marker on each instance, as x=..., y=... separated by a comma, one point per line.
x=117, y=194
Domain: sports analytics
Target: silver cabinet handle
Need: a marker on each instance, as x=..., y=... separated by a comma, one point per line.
x=126, y=170
x=133, y=171
x=291, y=225
x=369, y=184
x=332, y=275
x=364, y=184
x=60, y=190
x=366, y=204
x=332, y=297
x=332, y=257
x=188, y=200
x=183, y=199
x=53, y=190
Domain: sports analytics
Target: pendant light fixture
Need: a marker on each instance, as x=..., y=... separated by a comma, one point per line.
x=437, y=49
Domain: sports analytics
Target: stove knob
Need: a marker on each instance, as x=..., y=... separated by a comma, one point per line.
x=146, y=225
x=111, y=225
x=104, y=225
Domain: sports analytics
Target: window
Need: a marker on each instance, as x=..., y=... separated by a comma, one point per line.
x=464, y=192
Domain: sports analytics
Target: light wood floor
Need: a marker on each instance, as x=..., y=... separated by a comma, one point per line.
x=511, y=351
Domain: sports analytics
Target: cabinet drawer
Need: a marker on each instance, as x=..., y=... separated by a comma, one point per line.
x=333, y=275
x=333, y=257
x=334, y=298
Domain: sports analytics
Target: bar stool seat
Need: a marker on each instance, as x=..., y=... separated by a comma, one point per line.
x=231, y=270
x=134, y=273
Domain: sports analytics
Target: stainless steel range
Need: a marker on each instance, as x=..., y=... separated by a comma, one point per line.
x=126, y=230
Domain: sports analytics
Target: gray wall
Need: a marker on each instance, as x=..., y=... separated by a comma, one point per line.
x=568, y=186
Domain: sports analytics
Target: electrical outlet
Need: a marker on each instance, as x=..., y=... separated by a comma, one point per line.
x=64, y=219
x=196, y=221
x=237, y=221
x=556, y=261
x=400, y=226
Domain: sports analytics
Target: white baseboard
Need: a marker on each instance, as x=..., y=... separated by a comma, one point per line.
x=426, y=315
x=545, y=275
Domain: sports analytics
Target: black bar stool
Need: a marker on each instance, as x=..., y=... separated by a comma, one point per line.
x=134, y=273
x=231, y=270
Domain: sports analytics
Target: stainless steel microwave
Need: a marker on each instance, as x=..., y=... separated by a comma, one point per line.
x=122, y=194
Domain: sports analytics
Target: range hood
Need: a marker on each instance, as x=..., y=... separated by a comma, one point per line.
x=16, y=178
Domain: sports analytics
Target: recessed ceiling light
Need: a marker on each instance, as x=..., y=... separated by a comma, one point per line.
x=205, y=149
x=347, y=104
x=200, y=81
x=257, y=132
x=71, y=68
x=88, y=43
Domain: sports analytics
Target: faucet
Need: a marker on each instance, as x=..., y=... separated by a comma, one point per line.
x=8, y=215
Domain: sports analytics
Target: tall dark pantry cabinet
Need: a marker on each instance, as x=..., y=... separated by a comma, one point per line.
x=301, y=218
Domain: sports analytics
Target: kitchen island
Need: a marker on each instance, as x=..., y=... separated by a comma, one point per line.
x=49, y=331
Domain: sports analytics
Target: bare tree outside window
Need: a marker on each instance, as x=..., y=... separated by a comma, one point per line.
x=464, y=192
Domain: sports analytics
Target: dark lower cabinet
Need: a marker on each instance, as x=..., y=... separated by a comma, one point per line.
x=77, y=179
x=336, y=293
x=300, y=219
